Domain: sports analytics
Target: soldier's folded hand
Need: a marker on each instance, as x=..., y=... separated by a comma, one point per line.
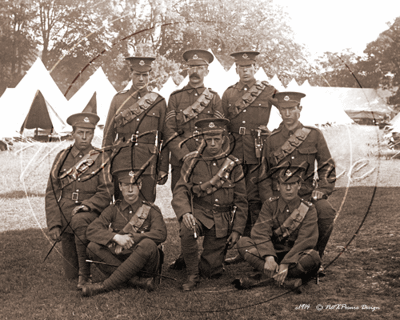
x=270, y=266
x=233, y=238
x=189, y=220
x=317, y=195
x=79, y=209
x=282, y=273
x=162, y=178
x=55, y=234
x=124, y=240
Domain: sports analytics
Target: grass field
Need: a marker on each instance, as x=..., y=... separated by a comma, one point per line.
x=365, y=275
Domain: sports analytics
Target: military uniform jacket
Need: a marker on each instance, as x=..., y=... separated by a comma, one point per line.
x=151, y=119
x=96, y=192
x=273, y=214
x=115, y=217
x=250, y=118
x=313, y=148
x=179, y=101
x=232, y=192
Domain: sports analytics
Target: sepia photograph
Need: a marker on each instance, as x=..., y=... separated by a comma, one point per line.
x=199, y=159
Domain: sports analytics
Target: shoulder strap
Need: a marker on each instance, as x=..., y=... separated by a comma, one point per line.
x=198, y=106
x=248, y=98
x=137, y=220
x=291, y=144
x=292, y=222
x=135, y=110
x=79, y=168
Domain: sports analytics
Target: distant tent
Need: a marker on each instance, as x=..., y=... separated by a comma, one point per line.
x=277, y=83
x=91, y=107
x=261, y=75
x=293, y=85
x=232, y=76
x=168, y=87
x=305, y=84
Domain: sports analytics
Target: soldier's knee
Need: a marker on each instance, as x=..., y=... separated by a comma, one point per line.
x=324, y=210
x=92, y=249
x=245, y=243
x=309, y=261
x=147, y=245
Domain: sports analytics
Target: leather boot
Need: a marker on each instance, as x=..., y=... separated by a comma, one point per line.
x=148, y=284
x=93, y=289
x=257, y=280
x=83, y=280
x=293, y=284
x=191, y=283
x=178, y=264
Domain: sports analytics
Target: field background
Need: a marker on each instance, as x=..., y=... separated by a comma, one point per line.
x=366, y=273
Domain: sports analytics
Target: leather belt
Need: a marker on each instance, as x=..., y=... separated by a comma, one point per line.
x=150, y=138
x=201, y=204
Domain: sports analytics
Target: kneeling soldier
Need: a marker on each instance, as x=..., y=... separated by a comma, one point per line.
x=283, y=239
x=124, y=240
x=211, y=184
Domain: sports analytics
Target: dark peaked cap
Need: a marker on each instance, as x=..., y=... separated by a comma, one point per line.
x=288, y=99
x=83, y=120
x=290, y=174
x=245, y=58
x=128, y=176
x=198, y=57
x=140, y=64
x=212, y=125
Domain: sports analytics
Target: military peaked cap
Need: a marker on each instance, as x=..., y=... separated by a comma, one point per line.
x=128, y=176
x=212, y=125
x=290, y=174
x=245, y=58
x=288, y=99
x=83, y=120
x=198, y=57
x=140, y=64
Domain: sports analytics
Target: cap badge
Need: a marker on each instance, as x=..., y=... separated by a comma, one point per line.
x=131, y=174
x=211, y=125
x=286, y=98
x=245, y=56
x=141, y=63
x=86, y=119
x=195, y=56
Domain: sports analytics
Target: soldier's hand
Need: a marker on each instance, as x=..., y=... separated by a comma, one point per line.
x=189, y=220
x=55, y=234
x=124, y=240
x=270, y=266
x=79, y=209
x=162, y=178
x=317, y=195
x=282, y=273
x=233, y=238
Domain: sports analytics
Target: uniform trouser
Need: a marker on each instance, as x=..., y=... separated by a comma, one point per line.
x=79, y=223
x=326, y=216
x=212, y=257
x=308, y=262
x=251, y=172
x=143, y=257
x=70, y=258
x=148, y=191
x=175, y=175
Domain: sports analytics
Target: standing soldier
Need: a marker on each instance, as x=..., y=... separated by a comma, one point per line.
x=77, y=191
x=293, y=144
x=209, y=200
x=247, y=104
x=134, y=126
x=185, y=107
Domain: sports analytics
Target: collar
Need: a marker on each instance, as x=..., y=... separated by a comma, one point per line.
x=75, y=151
x=286, y=132
x=135, y=206
x=293, y=204
x=136, y=93
x=190, y=89
x=240, y=85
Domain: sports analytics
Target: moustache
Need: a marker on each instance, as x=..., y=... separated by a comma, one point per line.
x=194, y=75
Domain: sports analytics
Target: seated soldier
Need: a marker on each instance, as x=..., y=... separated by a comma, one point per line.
x=124, y=239
x=284, y=237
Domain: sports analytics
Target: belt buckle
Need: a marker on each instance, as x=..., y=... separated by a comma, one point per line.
x=242, y=130
x=75, y=196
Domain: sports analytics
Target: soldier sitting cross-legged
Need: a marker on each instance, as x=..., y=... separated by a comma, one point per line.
x=283, y=239
x=124, y=240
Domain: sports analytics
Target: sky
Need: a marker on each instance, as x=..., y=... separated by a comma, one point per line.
x=334, y=25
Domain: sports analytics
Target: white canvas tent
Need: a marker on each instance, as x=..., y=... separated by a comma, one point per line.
x=16, y=106
x=277, y=83
x=105, y=92
x=293, y=85
x=168, y=88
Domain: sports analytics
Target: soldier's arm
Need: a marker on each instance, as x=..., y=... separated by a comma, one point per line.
x=181, y=195
x=98, y=231
x=261, y=233
x=158, y=229
x=104, y=190
x=239, y=200
x=172, y=130
x=225, y=103
x=109, y=130
x=217, y=106
x=265, y=178
x=326, y=166
x=307, y=237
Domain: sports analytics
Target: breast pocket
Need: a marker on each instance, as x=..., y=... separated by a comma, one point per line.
x=308, y=154
x=152, y=120
x=228, y=191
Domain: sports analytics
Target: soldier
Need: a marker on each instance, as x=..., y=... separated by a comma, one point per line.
x=124, y=239
x=293, y=144
x=77, y=191
x=247, y=104
x=134, y=125
x=185, y=107
x=282, y=241
x=210, y=186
